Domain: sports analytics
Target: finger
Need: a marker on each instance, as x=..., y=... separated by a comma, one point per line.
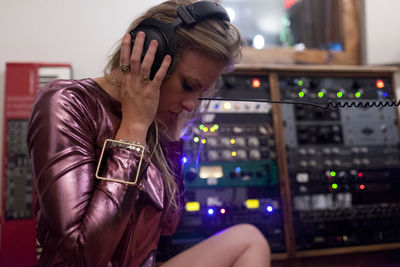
x=125, y=50
x=159, y=77
x=136, y=57
x=148, y=60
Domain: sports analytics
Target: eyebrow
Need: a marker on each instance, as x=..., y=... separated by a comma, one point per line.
x=196, y=81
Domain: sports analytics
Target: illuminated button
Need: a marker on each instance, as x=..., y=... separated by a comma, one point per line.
x=256, y=83
x=227, y=105
x=192, y=206
x=252, y=203
x=380, y=84
x=269, y=208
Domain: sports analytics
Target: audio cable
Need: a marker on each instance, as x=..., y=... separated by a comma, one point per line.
x=330, y=104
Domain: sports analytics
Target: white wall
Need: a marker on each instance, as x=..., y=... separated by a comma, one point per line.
x=381, y=38
x=80, y=32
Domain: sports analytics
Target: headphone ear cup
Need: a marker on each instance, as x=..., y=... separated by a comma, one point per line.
x=152, y=34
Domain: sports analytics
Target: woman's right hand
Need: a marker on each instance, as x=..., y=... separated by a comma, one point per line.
x=139, y=95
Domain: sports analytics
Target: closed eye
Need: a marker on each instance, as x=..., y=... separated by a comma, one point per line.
x=187, y=87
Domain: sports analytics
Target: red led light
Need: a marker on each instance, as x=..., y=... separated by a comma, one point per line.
x=256, y=83
x=360, y=174
x=380, y=84
x=362, y=187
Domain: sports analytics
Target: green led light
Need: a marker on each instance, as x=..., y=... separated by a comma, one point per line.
x=358, y=94
x=301, y=94
x=339, y=94
x=334, y=186
x=196, y=139
x=333, y=174
x=216, y=126
x=201, y=127
x=320, y=94
x=300, y=82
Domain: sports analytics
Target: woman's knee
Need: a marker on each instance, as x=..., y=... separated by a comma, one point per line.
x=252, y=235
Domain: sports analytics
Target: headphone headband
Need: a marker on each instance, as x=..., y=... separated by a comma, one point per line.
x=198, y=11
x=164, y=32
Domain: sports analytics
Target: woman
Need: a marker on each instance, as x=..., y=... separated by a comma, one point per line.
x=123, y=128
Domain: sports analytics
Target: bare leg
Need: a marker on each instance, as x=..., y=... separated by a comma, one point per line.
x=237, y=246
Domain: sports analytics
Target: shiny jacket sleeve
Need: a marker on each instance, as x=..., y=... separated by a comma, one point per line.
x=85, y=216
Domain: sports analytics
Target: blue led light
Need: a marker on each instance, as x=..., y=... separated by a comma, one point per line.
x=269, y=208
x=385, y=94
x=210, y=211
x=238, y=169
x=184, y=159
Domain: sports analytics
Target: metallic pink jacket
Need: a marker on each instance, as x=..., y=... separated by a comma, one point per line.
x=84, y=221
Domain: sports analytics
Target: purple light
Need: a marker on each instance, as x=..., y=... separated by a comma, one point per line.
x=270, y=208
x=210, y=211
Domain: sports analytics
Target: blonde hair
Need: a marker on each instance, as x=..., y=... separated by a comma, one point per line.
x=214, y=37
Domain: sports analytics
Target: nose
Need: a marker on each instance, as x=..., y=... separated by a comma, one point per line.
x=189, y=103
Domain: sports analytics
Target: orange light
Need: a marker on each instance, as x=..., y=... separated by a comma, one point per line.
x=380, y=84
x=256, y=83
x=362, y=187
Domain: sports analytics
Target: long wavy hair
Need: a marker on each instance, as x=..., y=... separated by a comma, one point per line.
x=213, y=37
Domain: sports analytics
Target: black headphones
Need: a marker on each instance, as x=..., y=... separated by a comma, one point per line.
x=164, y=32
